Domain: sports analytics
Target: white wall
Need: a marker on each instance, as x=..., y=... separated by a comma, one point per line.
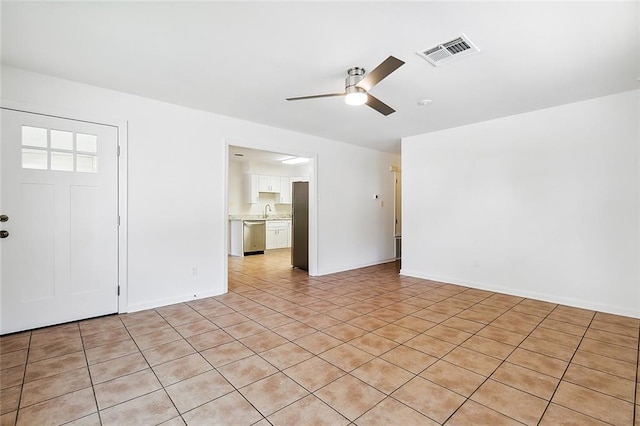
x=177, y=186
x=544, y=204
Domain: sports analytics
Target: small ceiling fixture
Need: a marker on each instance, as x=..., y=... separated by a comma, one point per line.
x=295, y=160
x=423, y=102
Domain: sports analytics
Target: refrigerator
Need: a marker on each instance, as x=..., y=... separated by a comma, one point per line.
x=300, y=225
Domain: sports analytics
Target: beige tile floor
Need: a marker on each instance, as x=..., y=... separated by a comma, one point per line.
x=363, y=347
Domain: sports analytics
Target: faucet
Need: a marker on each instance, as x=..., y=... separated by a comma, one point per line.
x=265, y=210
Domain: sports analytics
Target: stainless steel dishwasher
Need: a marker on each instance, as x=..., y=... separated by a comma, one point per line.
x=254, y=236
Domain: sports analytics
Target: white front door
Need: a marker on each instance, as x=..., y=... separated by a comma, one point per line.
x=60, y=202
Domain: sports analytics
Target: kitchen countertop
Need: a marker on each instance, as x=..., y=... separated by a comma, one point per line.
x=260, y=217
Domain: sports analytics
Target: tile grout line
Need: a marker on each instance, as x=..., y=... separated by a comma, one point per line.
x=24, y=376
x=567, y=368
x=86, y=360
x=468, y=398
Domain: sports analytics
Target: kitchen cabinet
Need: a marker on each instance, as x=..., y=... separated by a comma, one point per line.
x=278, y=232
x=251, y=188
x=285, y=190
x=268, y=183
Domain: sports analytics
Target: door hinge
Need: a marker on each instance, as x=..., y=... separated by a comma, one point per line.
x=118, y=220
x=118, y=290
x=118, y=150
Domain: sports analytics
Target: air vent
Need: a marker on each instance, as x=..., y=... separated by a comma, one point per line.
x=448, y=51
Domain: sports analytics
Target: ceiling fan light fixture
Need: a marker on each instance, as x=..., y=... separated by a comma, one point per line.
x=356, y=98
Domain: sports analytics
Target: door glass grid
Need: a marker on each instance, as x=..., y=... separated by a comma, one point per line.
x=59, y=150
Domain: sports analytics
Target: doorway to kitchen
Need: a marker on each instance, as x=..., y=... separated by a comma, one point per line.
x=260, y=208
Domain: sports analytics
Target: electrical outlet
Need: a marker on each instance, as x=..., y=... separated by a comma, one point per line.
x=194, y=271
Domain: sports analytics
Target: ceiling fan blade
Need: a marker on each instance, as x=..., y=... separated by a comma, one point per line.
x=328, y=95
x=379, y=106
x=388, y=66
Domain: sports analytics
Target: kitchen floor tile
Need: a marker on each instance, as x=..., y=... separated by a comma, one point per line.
x=454, y=378
x=247, y=370
x=285, y=356
x=181, y=369
x=472, y=360
x=117, y=367
x=601, y=382
x=197, y=390
x=314, y=373
x=273, y=393
x=430, y=399
x=230, y=409
x=59, y=410
x=307, y=411
x=408, y=358
x=53, y=386
x=152, y=408
x=472, y=413
x=317, y=342
x=349, y=396
x=346, y=357
x=382, y=375
x=374, y=344
x=125, y=388
x=389, y=412
x=511, y=402
x=592, y=403
x=526, y=380
x=557, y=415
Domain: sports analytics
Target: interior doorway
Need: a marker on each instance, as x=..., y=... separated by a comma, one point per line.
x=259, y=188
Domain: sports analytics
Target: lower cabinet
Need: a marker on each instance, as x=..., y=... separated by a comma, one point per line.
x=278, y=234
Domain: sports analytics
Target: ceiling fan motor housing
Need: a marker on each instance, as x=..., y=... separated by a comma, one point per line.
x=356, y=74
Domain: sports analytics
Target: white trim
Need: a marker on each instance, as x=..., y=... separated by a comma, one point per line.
x=122, y=130
x=123, y=206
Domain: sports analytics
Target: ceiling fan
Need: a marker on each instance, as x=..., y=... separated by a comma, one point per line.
x=357, y=86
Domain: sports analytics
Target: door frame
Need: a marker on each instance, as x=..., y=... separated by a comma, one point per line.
x=121, y=126
x=313, y=201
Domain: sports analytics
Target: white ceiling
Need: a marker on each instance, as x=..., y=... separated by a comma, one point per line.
x=242, y=59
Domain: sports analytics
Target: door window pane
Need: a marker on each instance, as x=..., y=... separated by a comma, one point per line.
x=34, y=159
x=34, y=136
x=61, y=140
x=86, y=143
x=62, y=161
x=87, y=163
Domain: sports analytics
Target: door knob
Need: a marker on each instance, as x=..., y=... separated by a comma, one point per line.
x=4, y=218
x=4, y=234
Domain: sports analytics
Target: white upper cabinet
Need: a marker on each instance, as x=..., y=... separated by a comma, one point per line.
x=280, y=185
x=268, y=183
x=285, y=190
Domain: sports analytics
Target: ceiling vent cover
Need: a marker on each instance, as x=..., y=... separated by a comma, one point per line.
x=446, y=52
